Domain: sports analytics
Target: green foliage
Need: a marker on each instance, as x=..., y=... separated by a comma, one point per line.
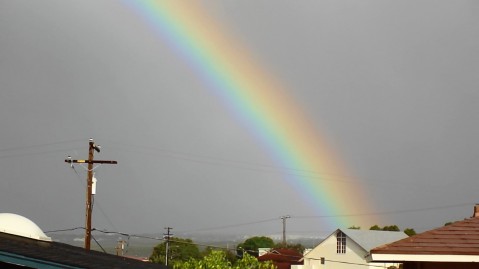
x=252, y=244
x=393, y=228
x=218, y=260
x=409, y=231
x=298, y=247
x=355, y=228
x=448, y=223
x=249, y=261
x=179, y=250
x=215, y=260
x=230, y=256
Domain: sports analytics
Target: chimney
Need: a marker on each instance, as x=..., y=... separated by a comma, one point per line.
x=476, y=211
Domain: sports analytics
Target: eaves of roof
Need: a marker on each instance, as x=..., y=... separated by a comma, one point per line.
x=459, y=238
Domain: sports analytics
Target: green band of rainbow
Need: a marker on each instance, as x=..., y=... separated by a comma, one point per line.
x=261, y=104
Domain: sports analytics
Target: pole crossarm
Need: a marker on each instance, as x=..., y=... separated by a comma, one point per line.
x=92, y=161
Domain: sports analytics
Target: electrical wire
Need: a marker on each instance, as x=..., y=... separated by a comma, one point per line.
x=98, y=243
x=350, y=263
x=253, y=252
x=232, y=225
x=405, y=211
x=93, y=197
x=32, y=153
x=17, y=151
x=218, y=247
x=275, y=219
x=159, y=239
x=65, y=230
x=228, y=162
x=40, y=145
x=258, y=167
x=387, y=212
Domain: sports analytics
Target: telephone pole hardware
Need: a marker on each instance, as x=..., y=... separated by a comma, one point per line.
x=89, y=206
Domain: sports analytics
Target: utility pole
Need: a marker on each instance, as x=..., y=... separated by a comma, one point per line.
x=284, y=228
x=89, y=206
x=167, y=237
x=120, y=247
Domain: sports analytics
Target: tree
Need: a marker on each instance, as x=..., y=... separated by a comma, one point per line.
x=355, y=228
x=297, y=247
x=409, y=231
x=252, y=244
x=218, y=260
x=230, y=255
x=249, y=261
x=215, y=259
x=393, y=228
x=179, y=250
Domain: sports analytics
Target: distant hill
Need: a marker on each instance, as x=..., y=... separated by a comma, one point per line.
x=143, y=246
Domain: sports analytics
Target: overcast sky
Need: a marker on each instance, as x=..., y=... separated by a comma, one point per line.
x=393, y=85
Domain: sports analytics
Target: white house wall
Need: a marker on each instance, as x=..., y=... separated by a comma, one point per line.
x=353, y=258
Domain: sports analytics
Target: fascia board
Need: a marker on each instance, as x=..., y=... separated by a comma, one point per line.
x=422, y=258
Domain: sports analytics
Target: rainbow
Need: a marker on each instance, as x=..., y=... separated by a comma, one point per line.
x=262, y=105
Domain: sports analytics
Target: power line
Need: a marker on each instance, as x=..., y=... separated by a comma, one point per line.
x=386, y=212
x=40, y=145
x=405, y=211
x=172, y=240
x=218, y=161
x=235, y=163
x=96, y=202
x=32, y=153
x=351, y=263
x=65, y=230
x=275, y=219
x=232, y=225
x=94, y=239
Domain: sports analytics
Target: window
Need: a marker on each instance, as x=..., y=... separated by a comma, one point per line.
x=341, y=242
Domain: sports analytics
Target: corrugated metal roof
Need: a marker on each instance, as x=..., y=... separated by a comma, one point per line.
x=459, y=238
x=369, y=239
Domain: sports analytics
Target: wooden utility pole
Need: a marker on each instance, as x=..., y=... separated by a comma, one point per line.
x=167, y=236
x=89, y=206
x=120, y=247
x=284, y=229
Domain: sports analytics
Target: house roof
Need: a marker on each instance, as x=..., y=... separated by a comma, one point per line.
x=459, y=238
x=283, y=258
x=369, y=239
x=28, y=252
x=281, y=255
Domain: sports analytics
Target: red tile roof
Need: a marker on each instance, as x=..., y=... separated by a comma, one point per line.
x=282, y=258
x=459, y=238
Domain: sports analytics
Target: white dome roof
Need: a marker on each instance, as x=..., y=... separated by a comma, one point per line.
x=21, y=226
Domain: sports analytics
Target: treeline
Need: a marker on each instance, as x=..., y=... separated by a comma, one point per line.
x=393, y=228
x=184, y=253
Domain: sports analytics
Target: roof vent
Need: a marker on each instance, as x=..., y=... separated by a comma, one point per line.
x=21, y=226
